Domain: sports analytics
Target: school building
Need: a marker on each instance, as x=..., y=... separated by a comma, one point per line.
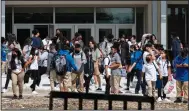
x=96, y=18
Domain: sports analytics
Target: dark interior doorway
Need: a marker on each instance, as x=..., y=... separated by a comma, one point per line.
x=43, y=30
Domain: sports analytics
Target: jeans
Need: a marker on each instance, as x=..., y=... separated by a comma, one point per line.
x=42, y=70
x=8, y=78
x=107, y=91
x=139, y=82
x=163, y=83
x=87, y=82
x=36, y=76
x=130, y=77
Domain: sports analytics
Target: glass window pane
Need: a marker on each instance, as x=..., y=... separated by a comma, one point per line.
x=22, y=35
x=8, y=20
x=104, y=33
x=86, y=33
x=33, y=15
x=74, y=15
x=66, y=33
x=115, y=15
x=127, y=32
x=139, y=23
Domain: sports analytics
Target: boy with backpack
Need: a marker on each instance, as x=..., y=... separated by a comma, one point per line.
x=79, y=59
x=50, y=68
x=64, y=63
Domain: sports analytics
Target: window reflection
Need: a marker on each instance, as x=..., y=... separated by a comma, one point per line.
x=115, y=15
x=177, y=22
x=74, y=15
x=33, y=15
x=8, y=20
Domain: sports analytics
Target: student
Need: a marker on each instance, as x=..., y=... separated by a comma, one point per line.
x=43, y=56
x=88, y=74
x=17, y=65
x=150, y=74
x=50, y=67
x=3, y=55
x=36, y=40
x=165, y=67
x=181, y=63
x=136, y=60
x=9, y=57
x=65, y=79
x=115, y=69
x=96, y=56
x=107, y=73
x=79, y=59
x=34, y=68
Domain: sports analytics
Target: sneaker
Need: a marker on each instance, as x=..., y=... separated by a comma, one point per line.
x=167, y=100
x=56, y=89
x=185, y=101
x=136, y=92
x=34, y=93
x=20, y=97
x=37, y=87
x=15, y=97
x=159, y=99
x=99, y=89
x=4, y=90
x=178, y=100
x=120, y=92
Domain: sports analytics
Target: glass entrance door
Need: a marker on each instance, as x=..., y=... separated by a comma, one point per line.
x=127, y=30
x=22, y=32
x=86, y=31
x=67, y=30
x=103, y=31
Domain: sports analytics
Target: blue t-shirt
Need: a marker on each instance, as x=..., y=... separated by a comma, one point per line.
x=36, y=42
x=136, y=56
x=181, y=72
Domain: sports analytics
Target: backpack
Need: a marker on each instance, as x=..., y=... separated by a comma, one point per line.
x=60, y=64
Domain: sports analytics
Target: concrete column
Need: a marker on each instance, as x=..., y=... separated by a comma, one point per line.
x=154, y=17
x=3, y=18
x=164, y=24
x=149, y=17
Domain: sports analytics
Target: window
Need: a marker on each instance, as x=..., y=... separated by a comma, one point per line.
x=74, y=15
x=33, y=15
x=177, y=22
x=115, y=15
x=8, y=20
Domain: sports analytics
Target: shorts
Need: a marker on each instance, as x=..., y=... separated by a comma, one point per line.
x=96, y=69
x=65, y=80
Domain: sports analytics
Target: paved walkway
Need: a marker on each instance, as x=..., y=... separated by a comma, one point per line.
x=44, y=87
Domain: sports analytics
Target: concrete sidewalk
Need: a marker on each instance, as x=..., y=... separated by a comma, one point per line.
x=44, y=87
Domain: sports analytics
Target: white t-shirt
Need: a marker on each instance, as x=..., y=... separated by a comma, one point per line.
x=164, y=64
x=46, y=43
x=43, y=59
x=18, y=66
x=34, y=64
x=107, y=61
x=144, y=56
x=150, y=71
x=27, y=50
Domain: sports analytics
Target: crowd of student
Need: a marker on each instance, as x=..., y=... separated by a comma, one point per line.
x=74, y=63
